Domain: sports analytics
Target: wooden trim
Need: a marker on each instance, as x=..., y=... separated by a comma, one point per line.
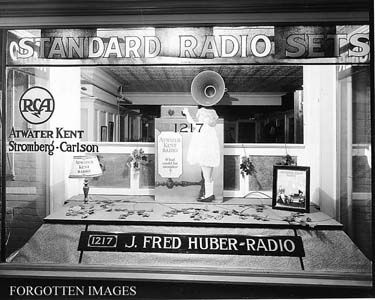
x=125, y=222
x=361, y=196
x=25, y=8
x=229, y=148
x=133, y=190
x=324, y=17
x=113, y=7
x=19, y=190
x=191, y=274
x=265, y=145
x=3, y=86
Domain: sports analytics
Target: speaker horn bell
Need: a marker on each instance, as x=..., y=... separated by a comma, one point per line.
x=207, y=88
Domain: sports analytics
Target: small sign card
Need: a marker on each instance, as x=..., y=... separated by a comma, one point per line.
x=169, y=154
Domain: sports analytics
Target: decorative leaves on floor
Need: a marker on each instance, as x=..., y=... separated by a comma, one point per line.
x=81, y=210
x=206, y=214
x=212, y=212
x=128, y=212
x=299, y=219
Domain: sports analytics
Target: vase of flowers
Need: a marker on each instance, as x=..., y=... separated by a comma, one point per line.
x=287, y=160
x=247, y=166
x=136, y=159
x=249, y=172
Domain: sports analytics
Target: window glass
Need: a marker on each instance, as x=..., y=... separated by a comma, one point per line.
x=310, y=107
x=355, y=151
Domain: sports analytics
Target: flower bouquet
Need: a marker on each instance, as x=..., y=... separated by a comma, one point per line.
x=247, y=166
x=136, y=159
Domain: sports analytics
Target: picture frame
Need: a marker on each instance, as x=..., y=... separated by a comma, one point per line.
x=103, y=134
x=291, y=188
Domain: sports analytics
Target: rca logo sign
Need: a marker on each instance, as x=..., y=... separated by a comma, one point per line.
x=37, y=105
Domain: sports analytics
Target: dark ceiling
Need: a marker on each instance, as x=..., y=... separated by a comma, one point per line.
x=35, y=8
x=254, y=78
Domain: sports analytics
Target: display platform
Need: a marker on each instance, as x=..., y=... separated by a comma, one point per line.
x=330, y=257
x=233, y=212
x=249, y=243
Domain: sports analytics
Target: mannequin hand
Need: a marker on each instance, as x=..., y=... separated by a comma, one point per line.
x=186, y=113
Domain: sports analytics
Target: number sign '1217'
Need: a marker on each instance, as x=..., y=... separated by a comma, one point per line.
x=102, y=241
x=186, y=128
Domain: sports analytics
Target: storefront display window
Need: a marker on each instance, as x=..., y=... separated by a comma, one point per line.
x=109, y=139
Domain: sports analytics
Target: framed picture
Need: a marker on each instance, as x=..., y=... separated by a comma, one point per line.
x=110, y=131
x=103, y=134
x=291, y=188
